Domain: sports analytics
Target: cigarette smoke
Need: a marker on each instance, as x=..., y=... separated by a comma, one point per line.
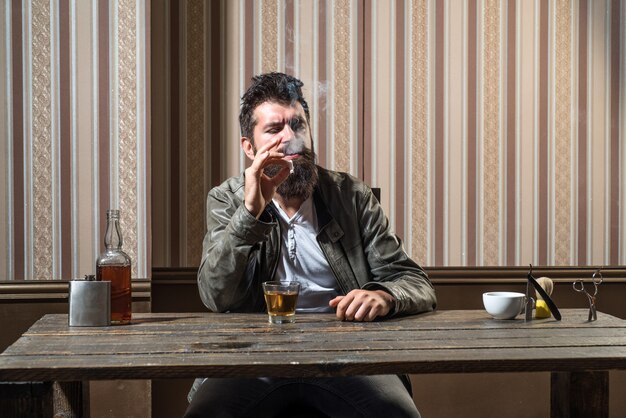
x=294, y=146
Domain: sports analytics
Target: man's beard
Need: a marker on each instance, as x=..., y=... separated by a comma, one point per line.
x=302, y=181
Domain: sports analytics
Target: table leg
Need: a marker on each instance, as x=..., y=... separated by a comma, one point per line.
x=579, y=394
x=70, y=399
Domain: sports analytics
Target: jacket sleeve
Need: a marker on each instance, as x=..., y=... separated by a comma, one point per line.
x=391, y=268
x=225, y=279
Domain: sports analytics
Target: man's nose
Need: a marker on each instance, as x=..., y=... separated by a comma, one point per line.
x=288, y=133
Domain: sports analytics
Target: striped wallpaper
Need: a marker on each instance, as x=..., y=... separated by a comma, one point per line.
x=74, y=134
x=495, y=128
x=514, y=169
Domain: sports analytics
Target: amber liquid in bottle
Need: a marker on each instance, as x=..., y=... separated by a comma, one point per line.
x=114, y=265
x=121, y=298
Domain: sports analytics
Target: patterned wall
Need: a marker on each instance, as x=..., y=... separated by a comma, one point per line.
x=512, y=167
x=74, y=134
x=187, y=101
x=495, y=128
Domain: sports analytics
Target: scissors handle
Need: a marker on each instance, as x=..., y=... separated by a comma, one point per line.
x=579, y=286
x=599, y=280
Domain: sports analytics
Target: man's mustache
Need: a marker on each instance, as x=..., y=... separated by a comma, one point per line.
x=294, y=146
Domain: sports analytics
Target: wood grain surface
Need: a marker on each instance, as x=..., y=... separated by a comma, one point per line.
x=176, y=345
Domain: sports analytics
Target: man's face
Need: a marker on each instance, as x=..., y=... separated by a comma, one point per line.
x=285, y=121
x=289, y=123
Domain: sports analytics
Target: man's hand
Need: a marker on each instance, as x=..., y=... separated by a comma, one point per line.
x=259, y=188
x=362, y=305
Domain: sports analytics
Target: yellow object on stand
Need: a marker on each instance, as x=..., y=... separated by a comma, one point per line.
x=541, y=309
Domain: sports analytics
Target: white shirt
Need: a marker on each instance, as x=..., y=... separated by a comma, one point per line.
x=302, y=259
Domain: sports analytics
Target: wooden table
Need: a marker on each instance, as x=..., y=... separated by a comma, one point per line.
x=578, y=353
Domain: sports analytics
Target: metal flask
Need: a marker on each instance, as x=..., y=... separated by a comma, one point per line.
x=90, y=303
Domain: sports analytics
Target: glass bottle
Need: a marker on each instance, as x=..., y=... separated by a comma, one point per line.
x=114, y=265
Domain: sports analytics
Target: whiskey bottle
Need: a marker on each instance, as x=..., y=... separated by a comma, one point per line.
x=114, y=265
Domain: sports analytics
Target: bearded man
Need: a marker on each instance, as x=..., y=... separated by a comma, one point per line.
x=285, y=218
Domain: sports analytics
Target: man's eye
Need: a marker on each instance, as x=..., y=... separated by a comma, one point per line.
x=296, y=124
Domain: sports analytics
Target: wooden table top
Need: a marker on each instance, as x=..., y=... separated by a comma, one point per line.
x=176, y=345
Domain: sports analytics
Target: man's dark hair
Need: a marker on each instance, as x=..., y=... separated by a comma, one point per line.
x=271, y=87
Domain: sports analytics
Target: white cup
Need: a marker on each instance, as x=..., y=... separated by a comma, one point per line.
x=504, y=305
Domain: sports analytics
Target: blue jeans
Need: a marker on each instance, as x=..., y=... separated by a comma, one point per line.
x=358, y=396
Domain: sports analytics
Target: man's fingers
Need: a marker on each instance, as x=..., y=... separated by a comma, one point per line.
x=271, y=147
x=365, y=312
x=272, y=143
x=281, y=176
x=266, y=158
x=343, y=304
x=335, y=301
x=373, y=313
x=359, y=309
x=361, y=305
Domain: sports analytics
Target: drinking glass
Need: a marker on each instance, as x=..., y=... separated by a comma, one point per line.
x=281, y=299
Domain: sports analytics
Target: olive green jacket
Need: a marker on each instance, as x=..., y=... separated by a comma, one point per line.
x=240, y=252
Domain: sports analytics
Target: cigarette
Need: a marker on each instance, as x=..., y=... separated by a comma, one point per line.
x=290, y=167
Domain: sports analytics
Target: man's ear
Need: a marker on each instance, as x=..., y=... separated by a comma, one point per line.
x=247, y=147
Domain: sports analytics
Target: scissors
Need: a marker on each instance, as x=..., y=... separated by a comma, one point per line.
x=579, y=286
